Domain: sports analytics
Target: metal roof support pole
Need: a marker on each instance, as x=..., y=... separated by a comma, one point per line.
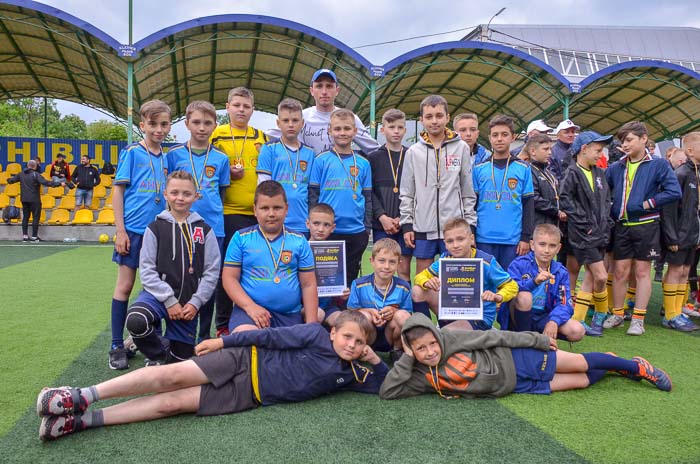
x=130, y=81
x=566, y=106
x=373, y=108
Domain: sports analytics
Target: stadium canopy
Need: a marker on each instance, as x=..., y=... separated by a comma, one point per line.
x=45, y=52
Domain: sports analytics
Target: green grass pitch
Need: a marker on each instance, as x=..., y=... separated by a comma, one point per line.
x=55, y=321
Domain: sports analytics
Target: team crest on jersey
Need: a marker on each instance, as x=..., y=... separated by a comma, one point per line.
x=198, y=235
x=526, y=277
x=286, y=257
x=512, y=183
x=354, y=171
x=210, y=171
x=303, y=165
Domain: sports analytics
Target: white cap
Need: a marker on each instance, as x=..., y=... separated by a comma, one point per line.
x=566, y=124
x=538, y=125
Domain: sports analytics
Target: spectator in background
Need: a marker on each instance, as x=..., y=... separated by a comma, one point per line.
x=85, y=178
x=30, y=194
x=60, y=171
x=561, y=154
x=537, y=126
x=108, y=169
x=676, y=157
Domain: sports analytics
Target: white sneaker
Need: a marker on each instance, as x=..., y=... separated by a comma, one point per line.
x=613, y=321
x=690, y=311
x=636, y=327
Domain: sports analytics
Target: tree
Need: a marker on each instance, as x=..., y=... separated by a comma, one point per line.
x=106, y=130
x=68, y=127
x=24, y=117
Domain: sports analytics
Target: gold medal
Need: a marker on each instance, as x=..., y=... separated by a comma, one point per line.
x=275, y=260
x=395, y=172
x=238, y=166
x=276, y=280
x=354, y=196
x=191, y=269
x=498, y=206
x=294, y=186
x=157, y=200
x=396, y=190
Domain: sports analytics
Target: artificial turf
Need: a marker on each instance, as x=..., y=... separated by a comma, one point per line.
x=56, y=334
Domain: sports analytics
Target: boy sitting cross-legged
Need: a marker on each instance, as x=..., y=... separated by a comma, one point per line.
x=493, y=363
x=231, y=374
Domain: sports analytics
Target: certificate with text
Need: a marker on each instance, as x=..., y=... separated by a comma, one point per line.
x=461, y=286
x=330, y=267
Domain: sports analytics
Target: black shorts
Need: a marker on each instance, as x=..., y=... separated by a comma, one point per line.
x=231, y=386
x=588, y=255
x=639, y=242
x=682, y=257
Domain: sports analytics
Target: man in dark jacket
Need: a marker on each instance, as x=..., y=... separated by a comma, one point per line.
x=85, y=178
x=30, y=194
x=561, y=150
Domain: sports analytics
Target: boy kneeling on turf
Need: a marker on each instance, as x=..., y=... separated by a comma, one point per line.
x=498, y=286
x=494, y=363
x=382, y=297
x=179, y=264
x=544, y=301
x=231, y=374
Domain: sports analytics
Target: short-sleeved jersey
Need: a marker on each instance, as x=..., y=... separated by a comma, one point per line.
x=342, y=181
x=211, y=172
x=292, y=169
x=143, y=174
x=249, y=251
x=500, y=219
x=494, y=277
x=242, y=148
x=364, y=294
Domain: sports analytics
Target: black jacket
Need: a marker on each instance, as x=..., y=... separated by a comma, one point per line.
x=86, y=177
x=546, y=197
x=589, y=221
x=679, y=219
x=384, y=199
x=561, y=159
x=29, y=185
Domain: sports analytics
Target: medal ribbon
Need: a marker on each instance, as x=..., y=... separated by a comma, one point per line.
x=293, y=167
x=395, y=173
x=348, y=173
x=239, y=157
x=153, y=171
x=275, y=261
x=198, y=180
x=499, y=193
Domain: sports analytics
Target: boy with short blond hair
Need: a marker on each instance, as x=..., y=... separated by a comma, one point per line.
x=382, y=297
x=343, y=179
x=436, y=183
x=387, y=166
x=137, y=199
x=467, y=126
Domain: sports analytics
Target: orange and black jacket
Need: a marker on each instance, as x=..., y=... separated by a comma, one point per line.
x=679, y=219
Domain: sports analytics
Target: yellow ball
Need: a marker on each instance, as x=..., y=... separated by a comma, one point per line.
x=104, y=238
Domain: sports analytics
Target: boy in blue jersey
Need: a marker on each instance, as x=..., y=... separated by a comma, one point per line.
x=210, y=170
x=384, y=298
x=466, y=125
x=343, y=179
x=180, y=261
x=543, y=303
x=498, y=285
x=289, y=162
x=137, y=200
x=235, y=373
x=505, y=209
x=269, y=270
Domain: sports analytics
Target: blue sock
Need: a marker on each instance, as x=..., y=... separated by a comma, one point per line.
x=595, y=375
x=421, y=307
x=609, y=362
x=118, y=322
x=523, y=320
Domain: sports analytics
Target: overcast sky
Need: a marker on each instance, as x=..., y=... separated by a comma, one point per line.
x=373, y=21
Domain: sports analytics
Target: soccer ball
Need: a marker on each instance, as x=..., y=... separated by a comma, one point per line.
x=104, y=238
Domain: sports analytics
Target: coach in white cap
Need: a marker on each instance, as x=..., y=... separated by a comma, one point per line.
x=561, y=155
x=537, y=126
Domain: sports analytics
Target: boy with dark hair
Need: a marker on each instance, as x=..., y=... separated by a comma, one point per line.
x=210, y=170
x=585, y=197
x=436, y=183
x=543, y=303
x=641, y=185
x=387, y=166
x=86, y=177
x=137, y=199
x=505, y=208
x=493, y=363
x=498, y=286
x=179, y=262
x=269, y=270
x=343, y=179
x=544, y=184
x=60, y=170
x=231, y=374
x=384, y=298
x=289, y=162
x=466, y=125
x=681, y=236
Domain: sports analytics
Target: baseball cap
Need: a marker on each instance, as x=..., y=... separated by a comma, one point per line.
x=538, y=125
x=61, y=155
x=566, y=124
x=324, y=72
x=584, y=138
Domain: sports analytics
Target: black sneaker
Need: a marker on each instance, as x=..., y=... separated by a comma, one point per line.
x=35, y=239
x=118, y=359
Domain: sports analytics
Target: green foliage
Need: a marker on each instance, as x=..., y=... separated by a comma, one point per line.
x=106, y=130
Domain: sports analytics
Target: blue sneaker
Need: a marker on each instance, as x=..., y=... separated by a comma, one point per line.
x=596, y=327
x=680, y=323
x=653, y=375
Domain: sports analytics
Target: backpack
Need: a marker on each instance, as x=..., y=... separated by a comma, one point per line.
x=10, y=212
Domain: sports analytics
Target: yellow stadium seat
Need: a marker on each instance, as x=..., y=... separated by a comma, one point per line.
x=12, y=190
x=13, y=168
x=3, y=177
x=95, y=203
x=18, y=202
x=59, y=216
x=71, y=192
x=47, y=201
x=67, y=203
x=47, y=170
x=72, y=168
x=105, y=180
x=106, y=216
x=99, y=192
x=4, y=201
x=42, y=218
x=83, y=216
x=56, y=192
